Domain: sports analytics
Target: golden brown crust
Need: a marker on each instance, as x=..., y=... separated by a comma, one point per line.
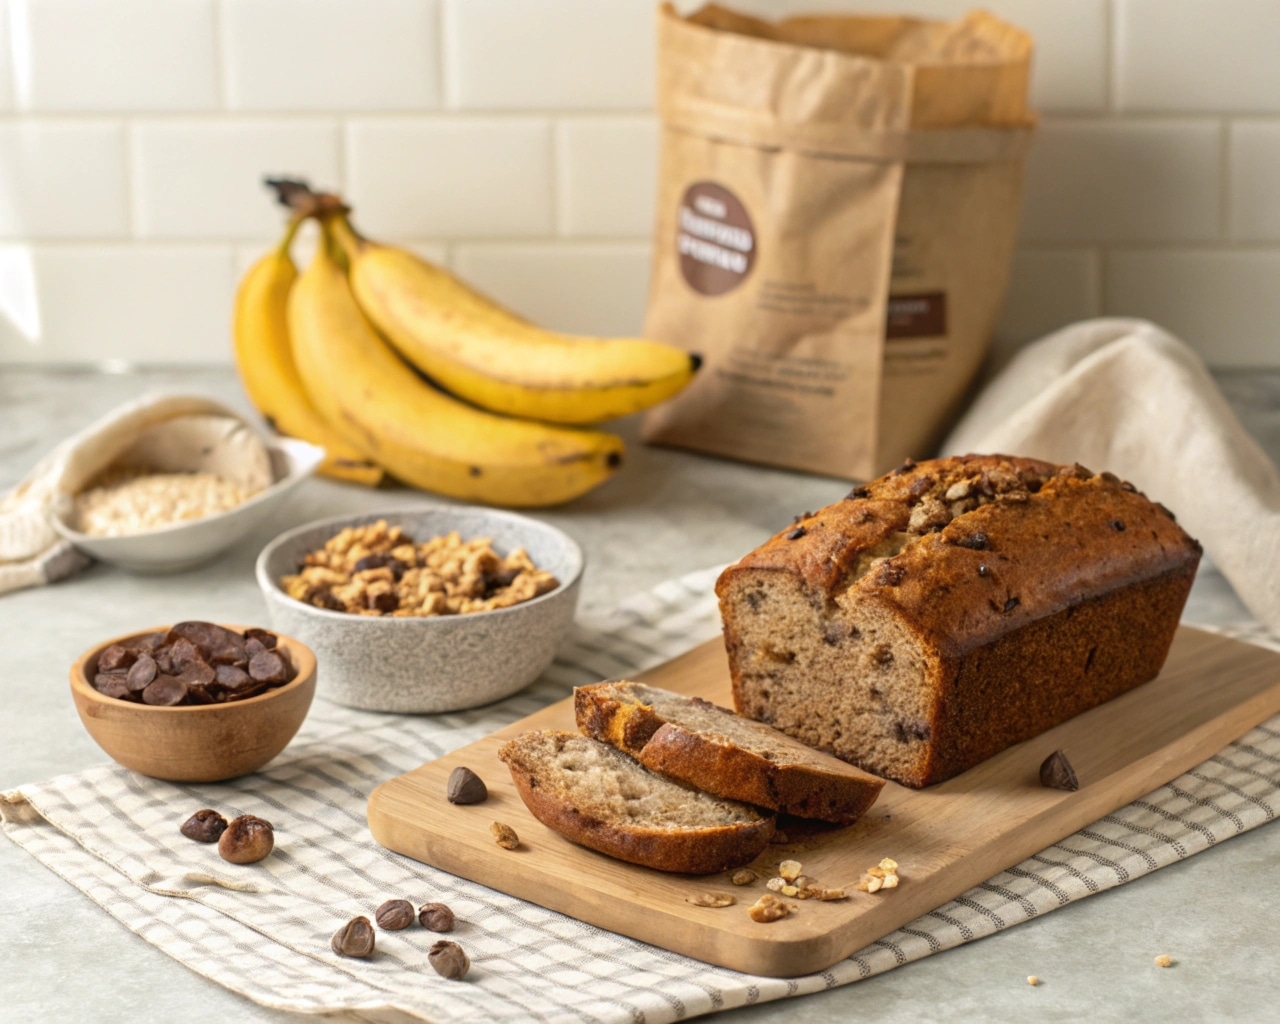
x=694, y=851
x=712, y=761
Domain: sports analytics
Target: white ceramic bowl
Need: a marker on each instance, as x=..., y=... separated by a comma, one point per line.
x=184, y=545
x=437, y=663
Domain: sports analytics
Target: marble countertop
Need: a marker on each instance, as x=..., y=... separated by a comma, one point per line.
x=667, y=513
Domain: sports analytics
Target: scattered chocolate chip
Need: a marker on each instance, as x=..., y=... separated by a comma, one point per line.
x=165, y=691
x=1011, y=604
x=466, y=787
x=204, y=826
x=394, y=915
x=436, y=917
x=1057, y=773
x=1117, y=525
x=975, y=541
x=797, y=533
x=501, y=578
x=115, y=658
x=247, y=840
x=449, y=960
x=355, y=938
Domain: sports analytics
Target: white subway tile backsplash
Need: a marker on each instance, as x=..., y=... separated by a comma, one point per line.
x=597, y=288
x=62, y=179
x=6, y=63
x=1048, y=289
x=1255, y=181
x=451, y=177
x=539, y=54
x=118, y=55
x=1195, y=55
x=87, y=304
x=608, y=174
x=304, y=247
x=331, y=55
x=1069, y=71
x=1225, y=304
x=203, y=179
x=1123, y=181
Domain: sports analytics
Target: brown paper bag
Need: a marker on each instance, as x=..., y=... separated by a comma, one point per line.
x=836, y=214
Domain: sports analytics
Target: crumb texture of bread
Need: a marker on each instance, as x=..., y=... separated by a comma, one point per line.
x=952, y=608
x=599, y=797
x=716, y=750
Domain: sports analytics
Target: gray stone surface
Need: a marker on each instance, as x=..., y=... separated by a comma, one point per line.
x=64, y=958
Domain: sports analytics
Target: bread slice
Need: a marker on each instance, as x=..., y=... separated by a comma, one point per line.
x=600, y=798
x=706, y=746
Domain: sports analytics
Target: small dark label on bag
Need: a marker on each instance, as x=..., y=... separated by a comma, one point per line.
x=916, y=316
x=714, y=239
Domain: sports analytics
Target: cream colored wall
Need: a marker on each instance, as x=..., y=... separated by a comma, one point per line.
x=514, y=140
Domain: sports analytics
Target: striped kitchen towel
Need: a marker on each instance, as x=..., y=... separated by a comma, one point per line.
x=265, y=933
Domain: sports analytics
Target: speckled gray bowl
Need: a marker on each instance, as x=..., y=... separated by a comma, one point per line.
x=441, y=663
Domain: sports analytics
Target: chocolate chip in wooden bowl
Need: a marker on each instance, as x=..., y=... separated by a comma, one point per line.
x=270, y=667
x=113, y=684
x=466, y=787
x=165, y=692
x=141, y=673
x=1056, y=773
x=261, y=636
x=115, y=658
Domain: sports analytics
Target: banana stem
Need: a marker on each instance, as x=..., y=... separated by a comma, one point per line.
x=290, y=231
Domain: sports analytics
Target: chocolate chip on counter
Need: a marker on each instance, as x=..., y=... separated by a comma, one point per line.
x=449, y=960
x=436, y=917
x=115, y=658
x=1011, y=604
x=797, y=533
x=247, y=840
x=975, y=541
x=205, y=826
x=1057, y=773
x=1117, y=525
x=142, y=673
x=269, y=667
x=165, y=692
x=466, y=787
x=355, y=938
x=394, y=915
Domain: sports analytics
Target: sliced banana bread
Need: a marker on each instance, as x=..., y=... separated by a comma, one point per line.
x=953, y=608
x=713, y=749
x=601, y=798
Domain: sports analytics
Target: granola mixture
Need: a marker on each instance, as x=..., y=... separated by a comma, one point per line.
x=126, y=503
x=380, y=570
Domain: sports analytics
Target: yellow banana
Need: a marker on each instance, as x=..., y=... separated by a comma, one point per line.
x=487, y=355
x=418, y=433
x=265, y=361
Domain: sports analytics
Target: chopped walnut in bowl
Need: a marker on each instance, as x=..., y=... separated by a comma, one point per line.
x=430, y=609
x=379, y=569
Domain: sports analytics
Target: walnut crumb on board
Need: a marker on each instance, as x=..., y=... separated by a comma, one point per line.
x=1164, y=960
x=1032, y=980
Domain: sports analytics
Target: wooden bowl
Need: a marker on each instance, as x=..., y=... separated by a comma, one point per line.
x=199, y=743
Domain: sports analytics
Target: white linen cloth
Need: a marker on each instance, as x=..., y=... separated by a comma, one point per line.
x=1129, y=397
x=264, y=932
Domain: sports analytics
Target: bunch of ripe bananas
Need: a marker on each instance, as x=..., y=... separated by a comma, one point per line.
x=393, y=364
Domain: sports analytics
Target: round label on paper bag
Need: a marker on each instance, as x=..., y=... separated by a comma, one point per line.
x=714, y=239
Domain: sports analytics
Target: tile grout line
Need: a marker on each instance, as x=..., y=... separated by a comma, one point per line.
x=1224, y=184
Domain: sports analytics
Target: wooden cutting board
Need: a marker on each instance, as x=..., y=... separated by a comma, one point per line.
x=946, y=839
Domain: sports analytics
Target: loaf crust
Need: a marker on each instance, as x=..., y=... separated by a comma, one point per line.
x=715, y=750
x=952, y=608
x=535, y=760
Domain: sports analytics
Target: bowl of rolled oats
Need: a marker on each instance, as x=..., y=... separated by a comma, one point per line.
x=426, y=610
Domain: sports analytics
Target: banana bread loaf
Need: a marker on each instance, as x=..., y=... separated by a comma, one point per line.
x=953, y=608
x=601, y=798
x=712, y=749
